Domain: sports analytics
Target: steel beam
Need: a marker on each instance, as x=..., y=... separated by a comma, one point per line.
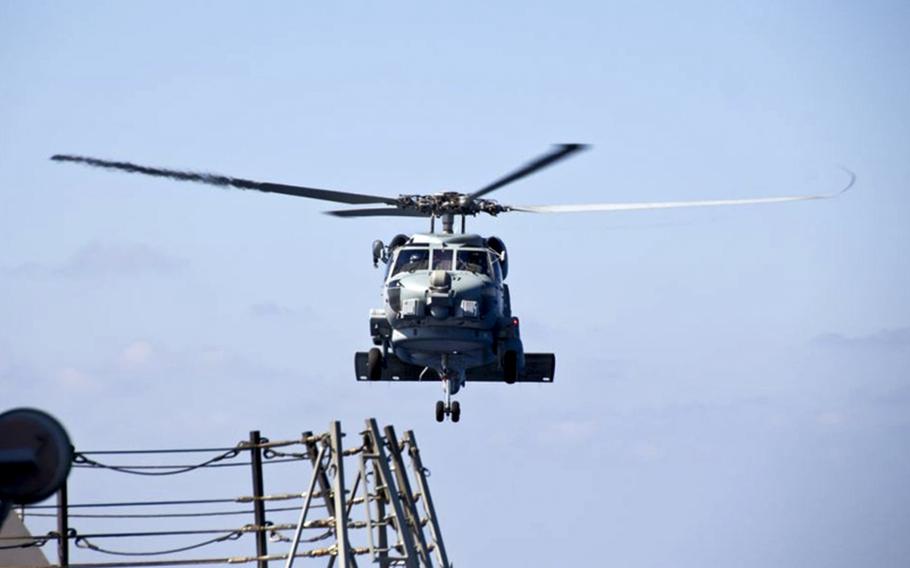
x=304, y=510
x=424, y=487
x=383, y=527
x=401, y=522
x=404, y=485
x=343, y=556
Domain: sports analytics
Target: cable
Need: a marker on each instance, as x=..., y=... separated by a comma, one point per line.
x=243, y=499
x=242, y=530
x=319, y=552
x=269, y=527
x=169, y=515
x=244, y=445
x=83, y=542
x=82, y=463
x=278, y=537
x=269, y=454
x=82, y=459
x=36, y=543
x=162, y=451
x=138, y=503
x=73, y=534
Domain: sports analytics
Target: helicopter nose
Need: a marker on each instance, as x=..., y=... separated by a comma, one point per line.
x=472, y=297
x=460, y=296
x=440, y=281
x=439, y=299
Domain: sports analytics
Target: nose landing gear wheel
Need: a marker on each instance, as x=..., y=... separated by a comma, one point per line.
x=453, y=410
x=440, y=411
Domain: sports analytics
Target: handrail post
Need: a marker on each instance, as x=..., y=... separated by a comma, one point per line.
x=258, y=503
x=63, y=527
x=343, y=556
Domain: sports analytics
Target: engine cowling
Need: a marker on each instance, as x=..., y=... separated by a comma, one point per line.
x=397, y=241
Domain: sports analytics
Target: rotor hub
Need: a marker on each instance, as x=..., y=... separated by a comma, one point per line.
x=449, y=203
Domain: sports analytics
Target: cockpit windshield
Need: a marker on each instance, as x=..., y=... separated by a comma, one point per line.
x=473, y=261
x=410, y=260
x=442, y=259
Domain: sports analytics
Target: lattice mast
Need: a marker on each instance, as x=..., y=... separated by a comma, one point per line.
x=385, y=517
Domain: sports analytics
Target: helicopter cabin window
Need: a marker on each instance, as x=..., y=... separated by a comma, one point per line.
x=410, y=260
x=497, y=268
x=442, y=259
x=473, y=261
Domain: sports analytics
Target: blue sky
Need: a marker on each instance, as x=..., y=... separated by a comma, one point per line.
x=732, y=384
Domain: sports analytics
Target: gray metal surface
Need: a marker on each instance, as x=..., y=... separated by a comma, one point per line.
x=301, y=521
x=420, y=474
x=407, y=494
x=381, y=494
x=388, y=482
x=539, y=368
x=341, y=515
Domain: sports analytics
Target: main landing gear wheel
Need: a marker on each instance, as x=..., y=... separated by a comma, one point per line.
x=440, y=411
x=374, y=364
x=456, y=411
x=510, y=366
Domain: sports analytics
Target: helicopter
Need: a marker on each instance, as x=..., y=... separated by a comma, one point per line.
x=446, y=313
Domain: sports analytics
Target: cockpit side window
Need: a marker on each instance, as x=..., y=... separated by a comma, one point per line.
x=497, y=269
x=410, y=260
x=473, y=261
x=442, y=259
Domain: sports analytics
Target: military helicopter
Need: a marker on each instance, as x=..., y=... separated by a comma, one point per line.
x=446, y=312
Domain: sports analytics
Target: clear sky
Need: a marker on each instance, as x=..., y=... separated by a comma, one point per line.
x=733, y=385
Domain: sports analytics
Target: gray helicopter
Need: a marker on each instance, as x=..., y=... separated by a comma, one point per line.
x=446, y=312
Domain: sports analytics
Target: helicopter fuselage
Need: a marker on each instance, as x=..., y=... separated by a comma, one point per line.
x=445, y=305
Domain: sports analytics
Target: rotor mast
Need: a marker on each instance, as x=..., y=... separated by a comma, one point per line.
x=448, y=223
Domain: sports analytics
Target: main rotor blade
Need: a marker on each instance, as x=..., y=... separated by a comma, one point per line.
x=560, y=152
x=582, y=208
x=377, y=212
x=225, y=181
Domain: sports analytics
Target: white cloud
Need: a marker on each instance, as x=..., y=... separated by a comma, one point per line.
x=74, y=379
x=896, y=338
x=213, y=357
x=270, y=309
x=572, y=431
x=646, y=451
x=104, y=259
x=830, y=418
x=136, y=354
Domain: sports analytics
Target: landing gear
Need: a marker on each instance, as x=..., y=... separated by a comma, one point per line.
x=374, y=364
x=451, y=383
x=510, y=366
x=453, y=410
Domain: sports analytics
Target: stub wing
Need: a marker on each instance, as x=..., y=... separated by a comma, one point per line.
x=539, y=368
